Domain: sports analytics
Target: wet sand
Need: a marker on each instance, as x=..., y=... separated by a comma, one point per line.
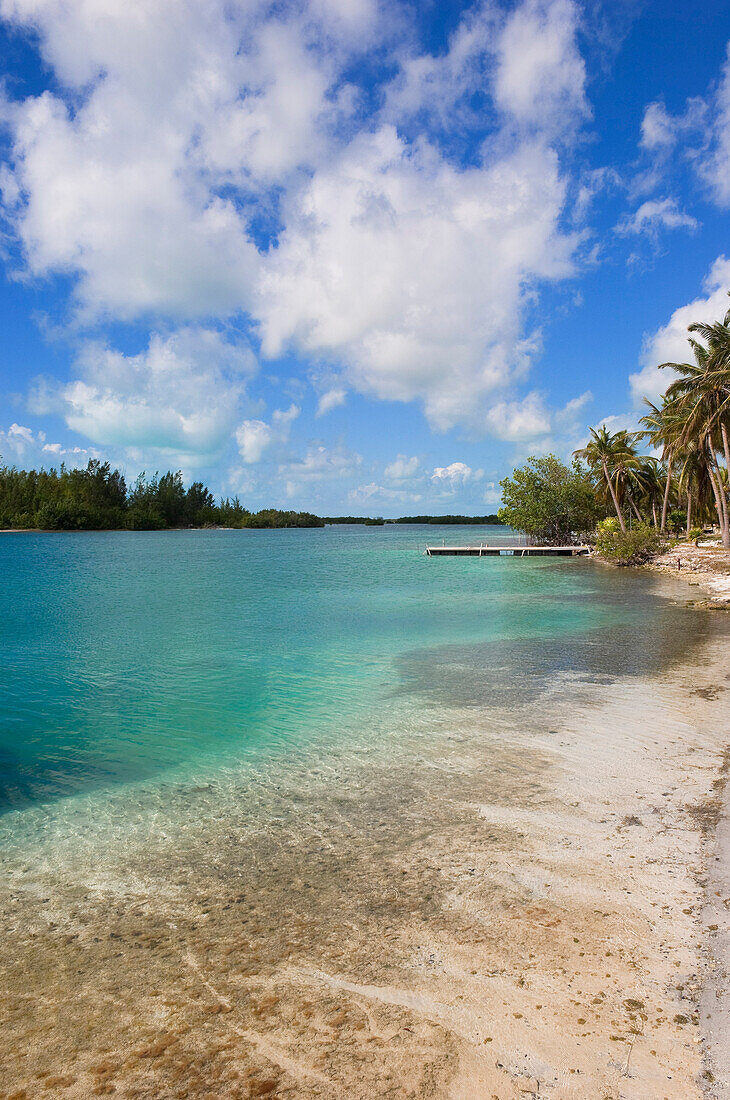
x=501, y=906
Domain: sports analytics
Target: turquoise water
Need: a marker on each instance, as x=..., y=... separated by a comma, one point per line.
x=127, y=656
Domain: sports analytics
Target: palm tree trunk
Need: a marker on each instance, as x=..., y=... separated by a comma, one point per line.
x=689, y=510
x=614, y=497
x=720, y=504
x=632, y=503
x=726, y=534
x=715, y=493
x=665, y=505
x=724, y=528
x=653, y=511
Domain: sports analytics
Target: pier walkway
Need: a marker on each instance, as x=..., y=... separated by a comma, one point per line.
x=483, y=550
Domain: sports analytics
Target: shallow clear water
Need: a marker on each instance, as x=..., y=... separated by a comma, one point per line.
x=126, y=656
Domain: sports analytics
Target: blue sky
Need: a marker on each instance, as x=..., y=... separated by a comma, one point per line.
x=351, y=256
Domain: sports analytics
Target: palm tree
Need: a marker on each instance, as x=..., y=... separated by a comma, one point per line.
x=611, y=457
x=694, y=481
x=717, y=380
x=699, y=398
x=661, y=430
x=648, y=485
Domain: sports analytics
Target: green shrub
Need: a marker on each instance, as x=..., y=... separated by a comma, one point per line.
x=694, y=533
x=633, y=547
x=23, y=520
x=144, y=515
x=676, y=520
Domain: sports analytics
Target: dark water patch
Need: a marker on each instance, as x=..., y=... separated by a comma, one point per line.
x=513, y=672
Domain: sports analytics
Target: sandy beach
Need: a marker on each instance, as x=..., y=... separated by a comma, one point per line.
x=534, y=908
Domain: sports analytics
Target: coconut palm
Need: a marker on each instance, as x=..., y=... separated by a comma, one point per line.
x=611, y=457
x=699, y=399
x=717, y=377
x=661, y=429
x=647, y=484
x=694, y=482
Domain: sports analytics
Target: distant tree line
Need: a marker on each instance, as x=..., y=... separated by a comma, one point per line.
x=345, y=519
x=492, y=519
x=97, y=499
x=378, y=521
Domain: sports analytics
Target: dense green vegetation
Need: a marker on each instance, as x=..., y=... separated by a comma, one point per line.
x=96, y=498
x=689, y=429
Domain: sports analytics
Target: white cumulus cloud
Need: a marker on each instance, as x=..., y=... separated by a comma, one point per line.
x=373, y=495
x=178, y=397
x=415, y=274
x=715, y=168
x=437, y=86
x=455, y=474
x=175, y=129
x=519, y=421
x=20, y=443
x=254, y=437
x=700, y=134
x=402, y=468
x=137, y=175
x=331, y=399
x=319, y=463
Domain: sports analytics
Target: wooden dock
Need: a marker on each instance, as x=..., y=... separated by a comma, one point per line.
x=484, y=550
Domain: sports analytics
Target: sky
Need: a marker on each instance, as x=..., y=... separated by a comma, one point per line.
x=352, y=256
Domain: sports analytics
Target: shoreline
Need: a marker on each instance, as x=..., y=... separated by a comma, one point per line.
x=709, y=566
